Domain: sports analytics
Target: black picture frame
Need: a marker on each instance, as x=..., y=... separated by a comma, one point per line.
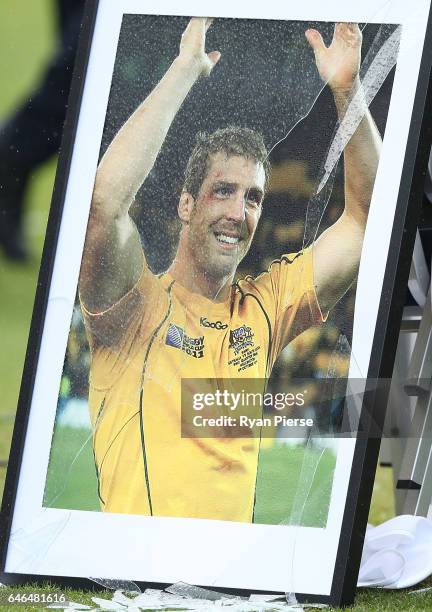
x=384, y=346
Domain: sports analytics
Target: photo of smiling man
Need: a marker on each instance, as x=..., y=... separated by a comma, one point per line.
x=210, y=273
x=193, y=320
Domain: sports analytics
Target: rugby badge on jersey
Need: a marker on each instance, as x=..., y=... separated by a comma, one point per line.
x=241, y=338
x=177, y=338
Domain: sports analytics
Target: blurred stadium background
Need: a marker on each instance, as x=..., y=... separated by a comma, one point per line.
x=27, y=41
x=28, y=36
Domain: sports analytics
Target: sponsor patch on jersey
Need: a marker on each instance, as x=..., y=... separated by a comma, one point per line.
x=241, y=338
x=177, y=338
x=204, y=322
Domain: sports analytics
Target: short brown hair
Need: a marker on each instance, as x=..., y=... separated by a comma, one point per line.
x=231, y=140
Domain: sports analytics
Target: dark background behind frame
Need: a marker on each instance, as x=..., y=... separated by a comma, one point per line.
x=342, y=591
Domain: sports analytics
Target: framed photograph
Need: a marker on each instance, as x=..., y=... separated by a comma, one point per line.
x=231, y=229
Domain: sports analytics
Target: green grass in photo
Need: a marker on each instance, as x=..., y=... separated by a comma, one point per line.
x=294, y=485
x=71, y=479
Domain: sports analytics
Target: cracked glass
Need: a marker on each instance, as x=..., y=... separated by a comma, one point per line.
x=210, y=282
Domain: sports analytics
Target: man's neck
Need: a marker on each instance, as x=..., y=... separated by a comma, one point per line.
x=197, y=281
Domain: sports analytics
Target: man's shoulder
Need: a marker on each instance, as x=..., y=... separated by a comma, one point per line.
x=255, y=281
x=282, y=278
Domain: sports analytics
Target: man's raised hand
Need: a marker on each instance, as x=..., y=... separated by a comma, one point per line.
x=338, y=64
x=192, y=46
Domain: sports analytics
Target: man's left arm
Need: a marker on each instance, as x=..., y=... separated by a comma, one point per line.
x=337, y=251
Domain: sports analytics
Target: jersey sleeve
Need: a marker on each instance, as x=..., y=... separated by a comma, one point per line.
x=288, y=295
x=115, y=333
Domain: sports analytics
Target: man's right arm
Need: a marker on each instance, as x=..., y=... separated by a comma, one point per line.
x=113, y=258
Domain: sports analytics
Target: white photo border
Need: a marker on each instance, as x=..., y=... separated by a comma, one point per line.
x=167, y=549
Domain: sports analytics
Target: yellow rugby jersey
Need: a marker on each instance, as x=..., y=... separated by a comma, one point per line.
x=144, y=345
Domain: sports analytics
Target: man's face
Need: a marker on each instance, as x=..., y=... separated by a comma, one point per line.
x=226, y=213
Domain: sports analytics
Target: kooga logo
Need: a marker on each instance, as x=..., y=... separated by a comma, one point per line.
x=218, y=325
